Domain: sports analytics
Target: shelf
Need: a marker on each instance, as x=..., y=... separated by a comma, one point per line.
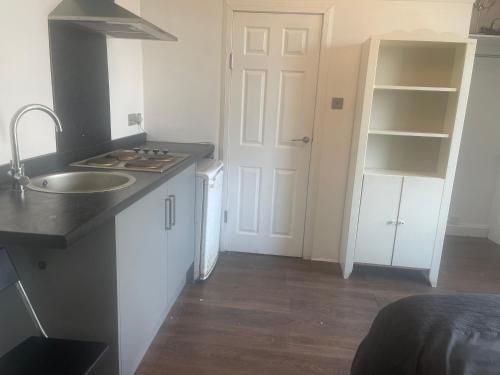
x=406, y=156
x=488, y=37
x=408, y=133
x=403, y=173
x=487, y=45
x=419, y=67
x=415, y=88
x=411, y=112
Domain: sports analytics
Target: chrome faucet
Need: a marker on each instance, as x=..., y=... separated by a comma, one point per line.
x=16, y=168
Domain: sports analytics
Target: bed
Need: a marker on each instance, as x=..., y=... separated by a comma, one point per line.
x=433, y=335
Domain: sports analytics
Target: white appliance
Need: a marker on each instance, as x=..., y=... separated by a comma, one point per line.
x=209, y=179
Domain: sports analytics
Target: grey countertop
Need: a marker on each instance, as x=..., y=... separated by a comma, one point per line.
x=58, y=220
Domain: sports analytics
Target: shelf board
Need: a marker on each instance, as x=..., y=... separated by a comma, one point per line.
x=393, y=172
x=489, y=37
x=415, y=88
x=487, y=45
x=408, y=134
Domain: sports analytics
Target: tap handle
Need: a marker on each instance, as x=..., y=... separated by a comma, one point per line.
x=24, y=180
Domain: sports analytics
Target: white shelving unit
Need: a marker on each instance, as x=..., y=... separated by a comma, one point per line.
x=411, y=108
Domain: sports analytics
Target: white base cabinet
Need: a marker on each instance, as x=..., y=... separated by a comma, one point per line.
x=398, y=221
x=154, y=249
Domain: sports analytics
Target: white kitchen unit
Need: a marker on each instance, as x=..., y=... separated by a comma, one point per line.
x=152, y=263
x=411, y=106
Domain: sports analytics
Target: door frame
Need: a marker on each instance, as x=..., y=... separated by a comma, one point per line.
x=325, y=8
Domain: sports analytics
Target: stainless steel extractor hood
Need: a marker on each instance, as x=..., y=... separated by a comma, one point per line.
x=106, y=17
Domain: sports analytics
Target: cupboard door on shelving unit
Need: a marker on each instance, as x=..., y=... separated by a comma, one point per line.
x=418, y=217
x=377, y=219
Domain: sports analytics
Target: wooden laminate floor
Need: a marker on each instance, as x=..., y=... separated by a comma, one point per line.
x=264, y=315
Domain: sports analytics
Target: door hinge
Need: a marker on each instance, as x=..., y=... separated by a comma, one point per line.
x=231, y=61
x=225, y=217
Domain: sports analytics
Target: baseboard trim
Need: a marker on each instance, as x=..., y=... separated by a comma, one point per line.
x=468, y=230
x=324, y=260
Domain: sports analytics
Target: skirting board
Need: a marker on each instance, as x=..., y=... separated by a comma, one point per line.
x=470, y=230
x=324, y=260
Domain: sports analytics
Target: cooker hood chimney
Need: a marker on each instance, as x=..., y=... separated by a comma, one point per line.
x=108, y=18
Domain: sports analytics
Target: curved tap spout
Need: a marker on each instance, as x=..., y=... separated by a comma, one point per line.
x=17, y=169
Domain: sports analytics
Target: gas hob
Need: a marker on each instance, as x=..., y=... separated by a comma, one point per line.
x=139, y=160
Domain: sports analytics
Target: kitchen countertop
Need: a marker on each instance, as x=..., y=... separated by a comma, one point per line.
x=45, y=220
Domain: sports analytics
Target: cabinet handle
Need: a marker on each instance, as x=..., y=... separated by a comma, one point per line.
x=168, y=211
x=392, y=222
x=174, y=209
x=401, y=222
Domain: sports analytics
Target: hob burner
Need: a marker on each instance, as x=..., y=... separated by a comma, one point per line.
x=126, y=155
x=103, y=162
x=147, y=164
x=165, y=158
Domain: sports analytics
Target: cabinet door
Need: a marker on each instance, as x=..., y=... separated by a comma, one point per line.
x=377, y=219
x=181, y=238
x=418, y=217
x=141, y=241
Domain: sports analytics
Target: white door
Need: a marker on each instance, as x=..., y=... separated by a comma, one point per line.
x=273, y=99
x=418, y=217
x=378, y=218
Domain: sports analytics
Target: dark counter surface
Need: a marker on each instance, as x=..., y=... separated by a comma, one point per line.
x=58, y=220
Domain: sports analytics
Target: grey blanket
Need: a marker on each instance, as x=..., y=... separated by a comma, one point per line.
x=433, y=335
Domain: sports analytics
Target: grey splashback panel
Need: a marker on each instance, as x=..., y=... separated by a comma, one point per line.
x=80, y=81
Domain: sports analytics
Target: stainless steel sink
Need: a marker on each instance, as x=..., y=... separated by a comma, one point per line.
x=81, y=182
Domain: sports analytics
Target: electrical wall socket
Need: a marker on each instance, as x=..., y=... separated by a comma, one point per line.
x=338, y=103
x=135, y=119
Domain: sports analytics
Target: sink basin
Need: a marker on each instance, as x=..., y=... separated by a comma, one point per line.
x=81, y=182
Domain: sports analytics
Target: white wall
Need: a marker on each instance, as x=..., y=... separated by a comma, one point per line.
x=485, y=18
x=479, y=159
x=182, y=80
x=25, y=76
x=126, y=87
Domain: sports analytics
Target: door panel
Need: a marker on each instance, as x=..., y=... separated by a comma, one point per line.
x=273, y=91
x=377, y=219
x=419, y=211
x=141, y=276
x=249, y=187
x=181, y=238
x=253, y=107
x=290, y=115
x=283, y=202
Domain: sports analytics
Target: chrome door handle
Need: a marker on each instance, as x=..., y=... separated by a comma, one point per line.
x=174, y=209
x=305, y=140
x=168, y=211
